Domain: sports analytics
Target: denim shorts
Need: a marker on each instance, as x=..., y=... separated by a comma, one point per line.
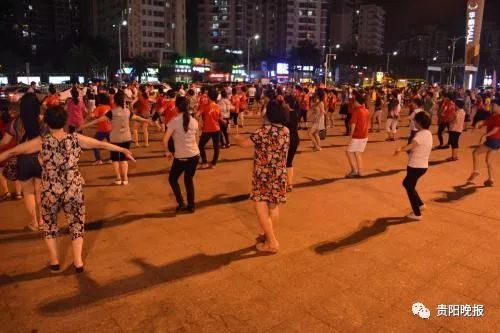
x=493, y=144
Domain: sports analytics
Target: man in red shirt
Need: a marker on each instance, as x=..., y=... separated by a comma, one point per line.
x=446, y=115
x=359, y=128
x=210, y=114
x=490, y=146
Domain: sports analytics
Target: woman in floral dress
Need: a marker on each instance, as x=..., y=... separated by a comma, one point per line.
x=271, y=142
x=62, y=183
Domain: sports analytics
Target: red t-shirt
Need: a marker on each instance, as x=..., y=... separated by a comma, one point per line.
x=159, y=103
x=448, y=112
x=52, y=100
x=211, y=115
x=142, y=105
x=102, y=126
x=304, y=103
x=243, y=102
x=360, y=118
x=236, y=101
x=170, y=111
x=491, y=123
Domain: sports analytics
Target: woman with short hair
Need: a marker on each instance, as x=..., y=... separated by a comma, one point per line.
x=62, y=183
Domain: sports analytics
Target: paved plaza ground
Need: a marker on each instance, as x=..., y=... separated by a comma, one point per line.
x=349, y=262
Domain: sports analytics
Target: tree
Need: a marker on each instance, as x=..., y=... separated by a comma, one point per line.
x=139, y=66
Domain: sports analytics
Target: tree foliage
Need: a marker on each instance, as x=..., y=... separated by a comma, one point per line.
x=139, y=66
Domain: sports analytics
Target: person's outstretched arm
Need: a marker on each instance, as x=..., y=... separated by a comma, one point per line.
x=29, y=147
x=90, y=143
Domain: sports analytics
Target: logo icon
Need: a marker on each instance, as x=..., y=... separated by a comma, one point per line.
x=418, y=309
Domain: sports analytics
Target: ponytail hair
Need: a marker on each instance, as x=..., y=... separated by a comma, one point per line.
x=182, y=106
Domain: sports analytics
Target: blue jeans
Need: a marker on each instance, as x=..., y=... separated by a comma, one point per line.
x=100, y=136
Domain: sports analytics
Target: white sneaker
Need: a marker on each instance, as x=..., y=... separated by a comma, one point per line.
x=412, y=216
x=118, y=182
x=125, y=182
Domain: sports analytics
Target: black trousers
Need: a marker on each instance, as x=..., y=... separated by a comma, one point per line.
x=409, y=183
x=224, y=138
x=441, y=128
x=303, y=116
x=215, y=136
x=347, y=123
x=188, y=167
x=234, y=117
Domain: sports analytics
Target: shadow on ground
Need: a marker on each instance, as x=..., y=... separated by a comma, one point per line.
x=459, y=192
x=114, y=221
x=91, y=292
x=366, y=231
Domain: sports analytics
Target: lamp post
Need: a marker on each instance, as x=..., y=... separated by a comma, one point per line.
x=249, y=40
x=454, y=41
x=395, y=53
x=123, y=23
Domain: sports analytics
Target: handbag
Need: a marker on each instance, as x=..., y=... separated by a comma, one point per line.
x=10, y=169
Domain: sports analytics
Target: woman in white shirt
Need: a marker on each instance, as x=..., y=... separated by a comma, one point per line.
x=456, y=127
x=418, y=162
x=225, y=106
x=183, y=130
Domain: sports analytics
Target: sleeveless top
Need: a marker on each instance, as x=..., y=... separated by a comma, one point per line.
x=120, y=124
x=59, y=159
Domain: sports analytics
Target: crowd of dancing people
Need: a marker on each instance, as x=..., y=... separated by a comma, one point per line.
x=42, y=140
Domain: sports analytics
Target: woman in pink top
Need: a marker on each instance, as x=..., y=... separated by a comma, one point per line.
x=76, y=111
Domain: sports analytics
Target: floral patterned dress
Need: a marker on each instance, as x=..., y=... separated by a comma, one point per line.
x=62, y=184
x=269, y=174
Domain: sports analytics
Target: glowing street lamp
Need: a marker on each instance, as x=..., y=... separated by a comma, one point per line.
x=255, y=37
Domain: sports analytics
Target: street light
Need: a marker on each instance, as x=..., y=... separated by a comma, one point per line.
x=255, y=37
x=337, y=46
x=395, y=53
x=122, y=23
x=454, y=41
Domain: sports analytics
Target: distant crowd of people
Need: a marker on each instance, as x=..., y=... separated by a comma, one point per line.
x=42, y=141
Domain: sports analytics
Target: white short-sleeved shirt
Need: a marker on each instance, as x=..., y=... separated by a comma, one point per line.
x=419, y=156
x=184, y=142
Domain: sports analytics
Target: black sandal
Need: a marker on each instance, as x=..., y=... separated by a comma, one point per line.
x=261, y=238
x=54, y=268
x=79, y=269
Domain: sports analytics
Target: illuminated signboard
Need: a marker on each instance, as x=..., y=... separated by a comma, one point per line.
x=3, y=80
x=58, y=79
x=282, y=68
x=474, y=21
x=379, y=76
x=28, y=79
x=201, y=69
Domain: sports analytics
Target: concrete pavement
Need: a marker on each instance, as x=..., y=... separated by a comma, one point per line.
x=349, y=262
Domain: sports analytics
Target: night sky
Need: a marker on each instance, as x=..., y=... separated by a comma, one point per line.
x=403, y=15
